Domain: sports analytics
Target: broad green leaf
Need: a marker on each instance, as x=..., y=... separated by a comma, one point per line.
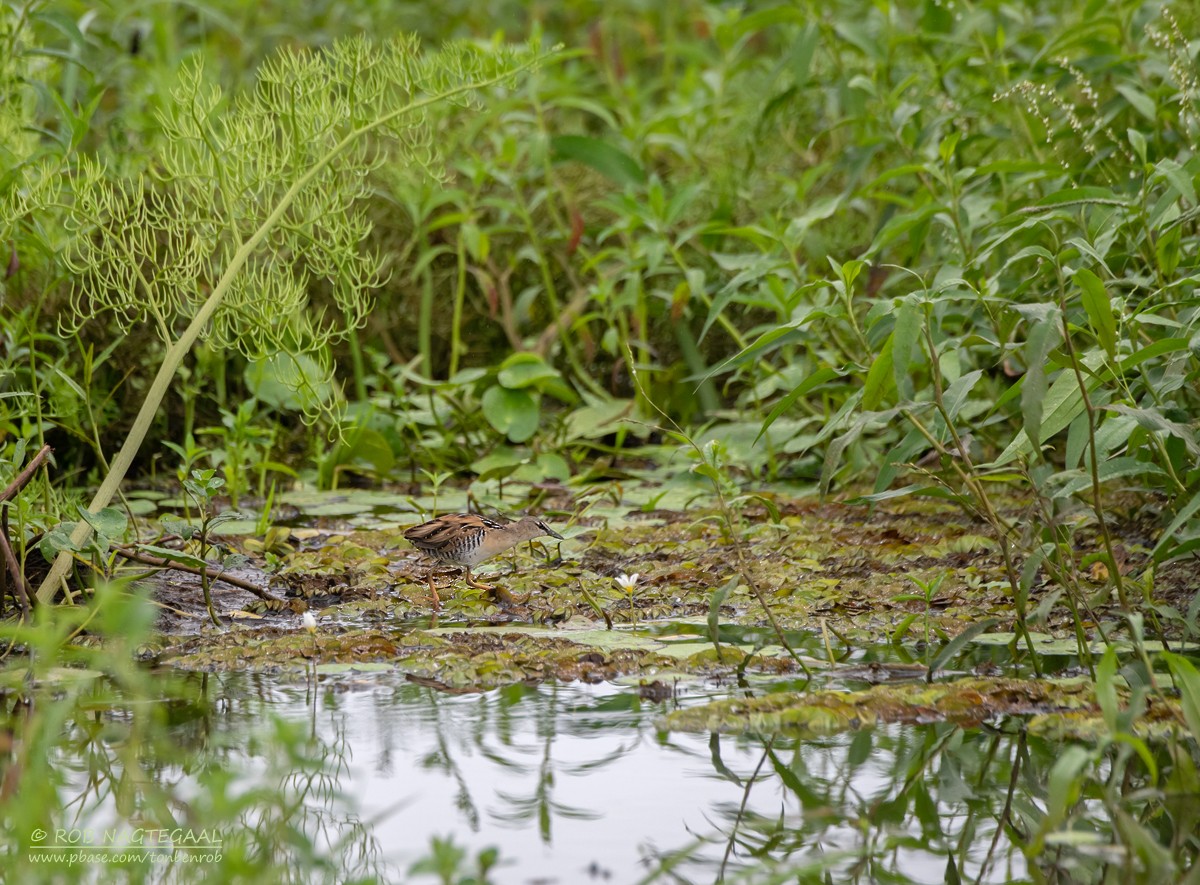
x=58, y=540
x=1140, y=101
x=1178, y=178
x=813, y=381
x=1187, y=681
x=1112, y=434
x=800, y=55
x=173, y=525
x=1065, y=782
x=477, y=242
x=551, y=465
x=1062, y=403
x=611, y=162
x=906, y=337
x=948, y=145
x=1099, y=309
x=173, y=555
x=901, y=224
x=1106, y=688
x=1167, y=252
x=956, y=394
x=1165, y=546
x=1042, y=338
x=879, y=377
x=524, y=370
x=1101, y=195
x=1150, y=351
x=367, y=447
x=1114, y=468
x=1153, y=420
x=501, y=461
x=764, y=19
x=1138, y=142
x=514, y=413
x=955, y=645
x=108, y=523
x=602, y=417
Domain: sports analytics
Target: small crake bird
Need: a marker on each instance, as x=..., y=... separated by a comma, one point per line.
x=464, y=539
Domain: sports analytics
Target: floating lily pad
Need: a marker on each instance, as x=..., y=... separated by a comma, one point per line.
x=687, y=649
x=361, y=667
x=141, y=506
x=1049, y=645
x=334, y=508
x=306, y=499
x=238, y=527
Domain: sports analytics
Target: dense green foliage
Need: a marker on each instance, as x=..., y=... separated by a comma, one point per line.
x=929, y=248
x=781, y=212
x=957, y=238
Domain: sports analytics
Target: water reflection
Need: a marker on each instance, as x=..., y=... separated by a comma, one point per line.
x=354, y=775
x=575, y=780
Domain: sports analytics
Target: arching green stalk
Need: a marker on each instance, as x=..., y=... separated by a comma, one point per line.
x=179, y=348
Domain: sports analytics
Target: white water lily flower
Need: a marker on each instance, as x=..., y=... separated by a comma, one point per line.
x=309, y=622
x=628, y=582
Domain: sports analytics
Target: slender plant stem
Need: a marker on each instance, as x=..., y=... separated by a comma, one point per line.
x=1090, y=410
x=742, y=809
x=174, y=356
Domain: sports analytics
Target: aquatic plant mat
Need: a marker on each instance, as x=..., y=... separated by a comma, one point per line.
x=885, y=711
x=839, y=580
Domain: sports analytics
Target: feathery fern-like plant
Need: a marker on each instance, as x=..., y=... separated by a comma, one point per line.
x=249, y=205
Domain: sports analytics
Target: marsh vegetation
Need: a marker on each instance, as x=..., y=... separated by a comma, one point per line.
x=851, y=348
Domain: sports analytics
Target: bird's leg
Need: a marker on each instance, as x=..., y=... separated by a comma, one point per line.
x=471, y=582
x=433, y=594
x=499, y=593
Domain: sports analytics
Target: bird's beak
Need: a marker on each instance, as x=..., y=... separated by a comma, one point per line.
x=554, y=534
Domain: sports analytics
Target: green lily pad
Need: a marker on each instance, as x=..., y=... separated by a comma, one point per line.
x=141, y=506
x=687, y=649
x=145, y=494
x=362, y=667
x=335, y=508
x=1048, y=645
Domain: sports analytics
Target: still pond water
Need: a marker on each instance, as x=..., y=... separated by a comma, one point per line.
x=578, y=783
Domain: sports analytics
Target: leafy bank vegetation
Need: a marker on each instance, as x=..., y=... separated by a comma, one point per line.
x=938, y=250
